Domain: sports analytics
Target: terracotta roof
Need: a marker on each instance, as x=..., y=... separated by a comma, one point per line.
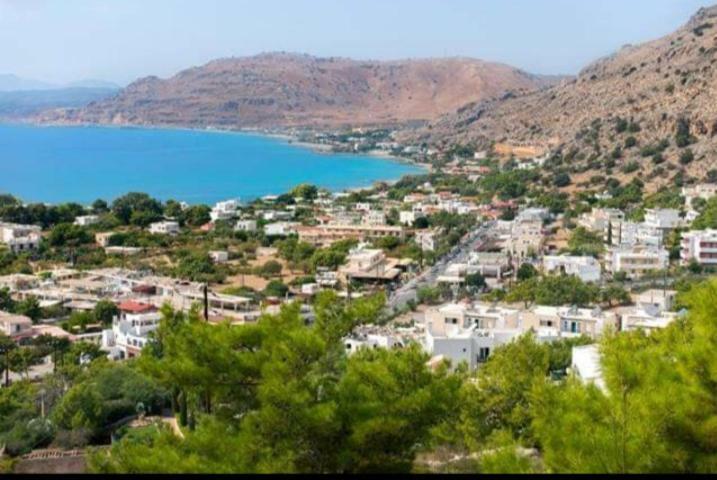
x=136, y=307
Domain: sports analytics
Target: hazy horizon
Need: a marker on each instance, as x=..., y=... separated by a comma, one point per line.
x=64, y=41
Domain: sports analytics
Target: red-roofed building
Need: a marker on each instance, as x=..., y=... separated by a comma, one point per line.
x=136, y=308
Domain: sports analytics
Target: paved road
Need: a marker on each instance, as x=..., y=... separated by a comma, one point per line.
x=459, y=254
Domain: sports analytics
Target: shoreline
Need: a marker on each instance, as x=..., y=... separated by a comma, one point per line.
x=321, y=148
x=286, y=138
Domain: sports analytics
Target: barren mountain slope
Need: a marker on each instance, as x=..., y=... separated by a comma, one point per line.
x=279, y=90
x=661, y=87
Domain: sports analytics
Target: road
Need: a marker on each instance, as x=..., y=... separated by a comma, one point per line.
x=458, y=254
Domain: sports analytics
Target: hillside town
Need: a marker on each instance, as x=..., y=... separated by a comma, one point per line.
x=461, y=275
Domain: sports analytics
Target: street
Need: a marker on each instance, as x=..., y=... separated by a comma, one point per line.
x=458, y=254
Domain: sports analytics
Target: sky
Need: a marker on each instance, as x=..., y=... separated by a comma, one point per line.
x=61, y=41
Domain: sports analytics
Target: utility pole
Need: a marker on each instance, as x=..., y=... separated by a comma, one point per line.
x=206, y=302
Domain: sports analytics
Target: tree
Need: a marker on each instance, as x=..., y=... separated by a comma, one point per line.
x=526, y=272
x=276, y=288
x=67, y=234
x=305, y=192
x=138, y=208
x=687, y=157
x=584, y=242
x=105, y=311
x=475, y=281
x=99, y=206
x=7, y=304
x=30, y=307
x=272, y=268
x=499, y=399
x=562, y=180
x=197, y=215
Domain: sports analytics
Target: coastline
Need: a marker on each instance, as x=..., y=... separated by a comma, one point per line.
x=321, y=148
x=284, y=138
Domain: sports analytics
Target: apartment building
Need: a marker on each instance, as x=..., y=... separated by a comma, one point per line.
x=699, y=246
x=130, y=329
x=327, y=234
x=636, y=261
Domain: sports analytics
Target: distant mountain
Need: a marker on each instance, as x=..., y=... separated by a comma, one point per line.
x=92, y=83
x=22, y=104
x=287, y=90
x=10, y=82
x=661, y=96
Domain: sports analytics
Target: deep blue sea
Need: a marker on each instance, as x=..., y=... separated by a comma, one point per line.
x=81, y=164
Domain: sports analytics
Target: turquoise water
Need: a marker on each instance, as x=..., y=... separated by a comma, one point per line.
x=81, y=164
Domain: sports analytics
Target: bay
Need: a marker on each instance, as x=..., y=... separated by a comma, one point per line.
x=81, y=164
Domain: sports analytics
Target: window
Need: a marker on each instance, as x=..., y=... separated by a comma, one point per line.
x=483, y=354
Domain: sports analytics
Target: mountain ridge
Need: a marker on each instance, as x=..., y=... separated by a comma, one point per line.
x=280, y=89
x=658, y=89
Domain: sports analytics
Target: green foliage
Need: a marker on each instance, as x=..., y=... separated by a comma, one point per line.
x=585, y=242
x=196, y=215
x=526, y=272
x=105, y=311
x=275, y=288
x=708, y=217
x=683, y=138
x=555, y=291
x=197, y=266
x=30, y=307
x=106, y=393
x=287, y=398
x=138, y=209
x=67, y=234
x=305, y=192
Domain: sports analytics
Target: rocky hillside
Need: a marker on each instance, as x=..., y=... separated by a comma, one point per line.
x=644, y=105
x=284, y=90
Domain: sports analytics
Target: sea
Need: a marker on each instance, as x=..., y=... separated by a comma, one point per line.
x=82, y=164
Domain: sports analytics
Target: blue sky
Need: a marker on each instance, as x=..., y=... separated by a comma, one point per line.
x=120, y=40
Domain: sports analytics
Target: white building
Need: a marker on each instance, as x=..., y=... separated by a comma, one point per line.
x=631, y=234
x=699, y=246
x=15, y=326
x=166, y=227
x=426, y=239
x=280, y=229
x=526, y=239
x=469, y=334
x=533, y=215
x=86, y=220
x=245, y=226
x=130, y=330
x=662, y=299
x=586, y=365
x=491, y=265
x=646, y=317
x=374, y=217
x=602, y=220
x=226, y=210
x=636, y=261
x=585, y=268
x=407, y=217
x=663, y=218
x=369, y=264
x=567, y=322
x=20, y=238
x=219, y=256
